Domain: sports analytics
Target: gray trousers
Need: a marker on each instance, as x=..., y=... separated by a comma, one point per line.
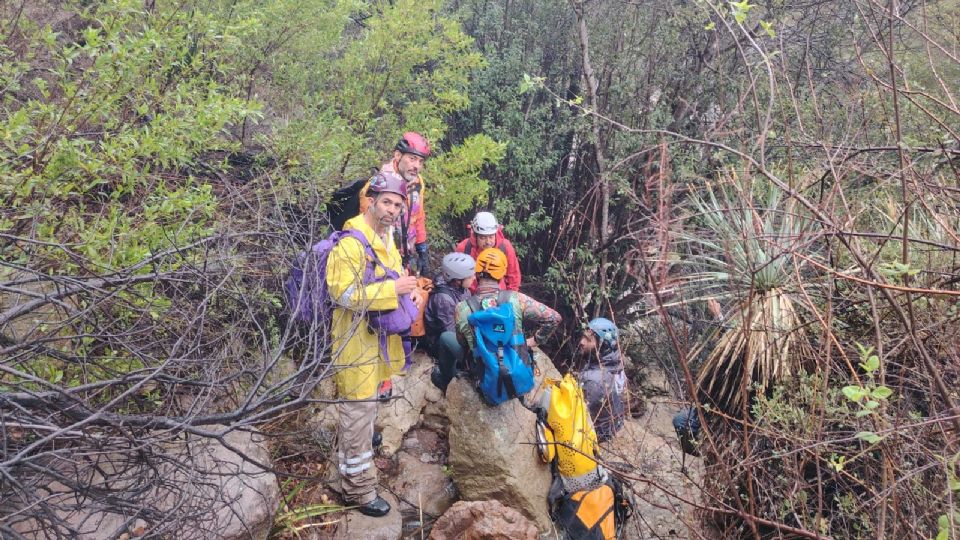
x=358, y=473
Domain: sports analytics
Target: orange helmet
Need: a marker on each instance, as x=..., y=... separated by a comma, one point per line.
x=493, y=262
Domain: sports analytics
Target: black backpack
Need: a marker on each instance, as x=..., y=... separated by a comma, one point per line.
x=345, y=203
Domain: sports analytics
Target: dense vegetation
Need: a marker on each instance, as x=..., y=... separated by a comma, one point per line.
x=773, y=186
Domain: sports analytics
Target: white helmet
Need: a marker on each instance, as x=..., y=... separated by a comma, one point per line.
x=484, y=223
x=457, y=265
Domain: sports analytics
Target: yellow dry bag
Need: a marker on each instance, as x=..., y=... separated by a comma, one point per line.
x=567, y=434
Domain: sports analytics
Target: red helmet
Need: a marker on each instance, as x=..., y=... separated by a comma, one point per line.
x=413, y=143
x=388, y=182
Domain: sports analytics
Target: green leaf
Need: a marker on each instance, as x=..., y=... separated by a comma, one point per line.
x=740, y=10
x=953, y=482
x=943, y=524
x=871, y=364
x=881, y=392
x=710, y=26
x=854, y=393
x=869, y=437
x=768, y=28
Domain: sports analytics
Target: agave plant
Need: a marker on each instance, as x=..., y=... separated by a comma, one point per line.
x=744, y=253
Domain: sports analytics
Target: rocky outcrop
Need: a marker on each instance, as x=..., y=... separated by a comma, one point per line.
x=411, y=392
x=483, y=520
x=648, y=446
x=221, y=494
x=492, y=455
x=422, y=485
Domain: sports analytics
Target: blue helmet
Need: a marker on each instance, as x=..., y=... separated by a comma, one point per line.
x=605, y=330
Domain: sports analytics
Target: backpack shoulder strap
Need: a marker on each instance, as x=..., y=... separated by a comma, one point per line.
x=503, y=297
x=443, y=289
x=474, y=303
x=467, y=248
x=372, y=259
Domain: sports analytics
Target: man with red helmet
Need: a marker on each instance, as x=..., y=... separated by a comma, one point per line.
x=409, y=155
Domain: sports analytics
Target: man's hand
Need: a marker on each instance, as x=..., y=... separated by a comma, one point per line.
x=531, y=343
x=406, y=284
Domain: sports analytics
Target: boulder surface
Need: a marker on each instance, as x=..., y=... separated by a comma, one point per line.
x=483, y=520
x=492, y=455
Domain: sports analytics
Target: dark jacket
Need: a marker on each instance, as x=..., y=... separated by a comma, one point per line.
x=441, y=311
x=603, y=383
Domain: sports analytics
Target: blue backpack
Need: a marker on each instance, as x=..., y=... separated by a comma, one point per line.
x=499, y=369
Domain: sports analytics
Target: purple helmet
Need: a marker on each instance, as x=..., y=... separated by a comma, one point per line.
x=388, y=182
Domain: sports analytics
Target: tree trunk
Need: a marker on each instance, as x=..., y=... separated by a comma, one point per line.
x=593, y=102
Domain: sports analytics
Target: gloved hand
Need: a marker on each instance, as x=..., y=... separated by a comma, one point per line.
x=423, y=258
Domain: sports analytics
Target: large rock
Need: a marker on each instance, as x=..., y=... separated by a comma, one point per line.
x=354, y=525
x=213, y=490
x=483, y=520
x=423, y=485
x=648, y=446
x=492, y=455
x=411, y=392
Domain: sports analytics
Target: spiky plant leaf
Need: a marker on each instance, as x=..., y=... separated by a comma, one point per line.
x=744, y=251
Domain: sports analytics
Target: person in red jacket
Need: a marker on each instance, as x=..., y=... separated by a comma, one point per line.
x=486, y=232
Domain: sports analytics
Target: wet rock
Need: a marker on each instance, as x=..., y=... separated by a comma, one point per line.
x=648, y=445
x=483, y=520
x=492, y=455
x=422, y=486
x=410, y=394
x=220, y=494
x=326, y=419
x=354, y=525
x=434, y=416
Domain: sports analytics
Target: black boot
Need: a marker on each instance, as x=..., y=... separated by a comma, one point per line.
x=436, y=377
x=377, y=440
x=375, y=508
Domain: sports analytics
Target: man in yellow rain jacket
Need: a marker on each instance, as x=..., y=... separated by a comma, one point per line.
x=357, y=356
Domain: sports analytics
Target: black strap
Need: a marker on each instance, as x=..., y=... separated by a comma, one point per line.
x=467, y=248
x=444, y=289
x=503, y=297
x=505, y=382
x=474, y=304
x=404, y=225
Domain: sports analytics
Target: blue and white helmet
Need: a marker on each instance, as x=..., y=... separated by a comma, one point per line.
x=605, y=330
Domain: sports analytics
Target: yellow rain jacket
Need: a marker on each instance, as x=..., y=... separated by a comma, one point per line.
x=360, y=367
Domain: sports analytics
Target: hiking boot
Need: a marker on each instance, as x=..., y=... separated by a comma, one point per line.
x=436, y=377
x=377, y=440
x=375, y=508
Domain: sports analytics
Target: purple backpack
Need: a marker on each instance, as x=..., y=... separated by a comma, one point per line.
x=308, y=295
